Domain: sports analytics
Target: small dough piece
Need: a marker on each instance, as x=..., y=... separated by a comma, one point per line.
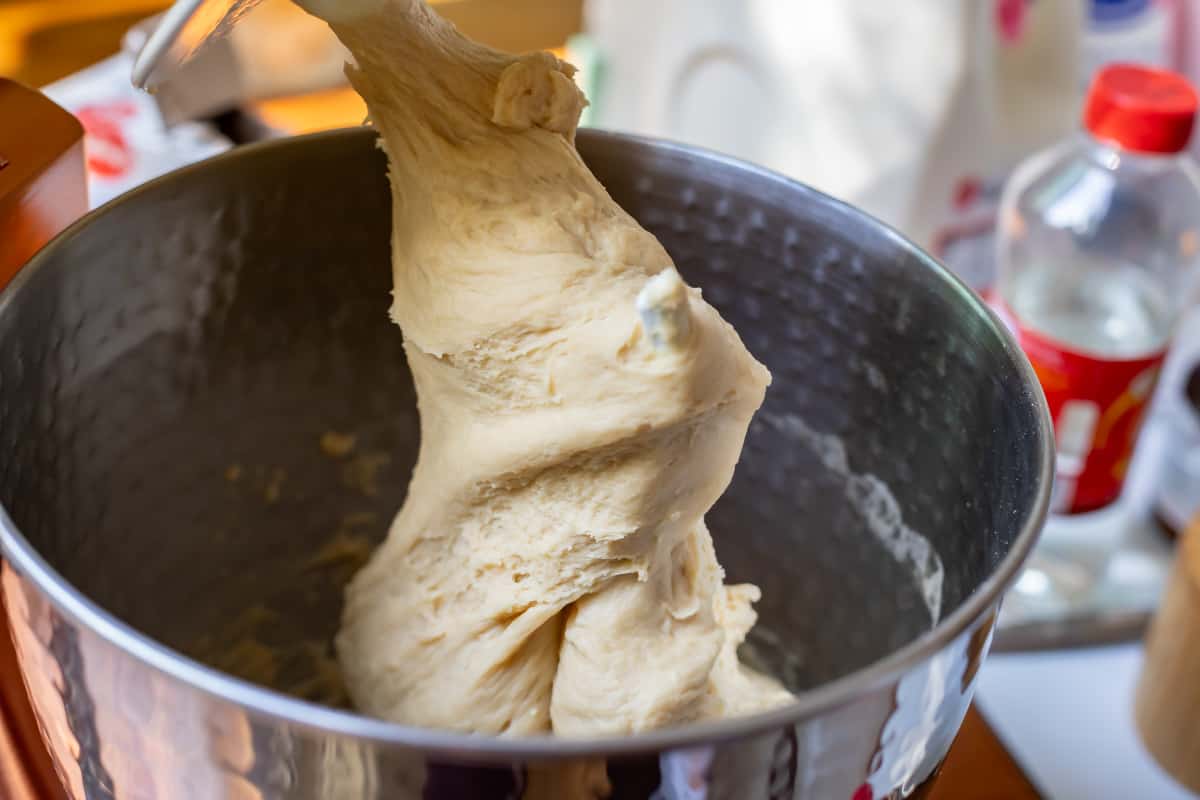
x=538, y=90
x=550, y=569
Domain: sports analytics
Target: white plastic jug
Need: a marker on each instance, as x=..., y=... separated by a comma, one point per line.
x=914, y=111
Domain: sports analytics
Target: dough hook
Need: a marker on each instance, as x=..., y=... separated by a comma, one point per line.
x=189, y=25
x=186, y=27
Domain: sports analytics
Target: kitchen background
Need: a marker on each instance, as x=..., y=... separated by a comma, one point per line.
x=917, y=112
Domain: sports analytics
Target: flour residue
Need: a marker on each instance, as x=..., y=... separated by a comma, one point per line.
x=874, y=501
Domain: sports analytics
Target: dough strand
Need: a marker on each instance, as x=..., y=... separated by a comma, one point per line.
x=550, y=569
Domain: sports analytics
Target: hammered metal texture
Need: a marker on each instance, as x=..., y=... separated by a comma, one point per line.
x=861, y=345
x=169, y=367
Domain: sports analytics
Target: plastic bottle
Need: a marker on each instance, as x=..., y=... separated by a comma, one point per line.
x=1097, y=251
x=1125, y=31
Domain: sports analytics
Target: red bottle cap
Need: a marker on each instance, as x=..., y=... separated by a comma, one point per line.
x=1141, y=108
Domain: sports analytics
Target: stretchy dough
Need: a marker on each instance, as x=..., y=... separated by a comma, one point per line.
x=581, y=410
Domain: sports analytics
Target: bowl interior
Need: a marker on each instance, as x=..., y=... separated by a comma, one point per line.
x=206, y=420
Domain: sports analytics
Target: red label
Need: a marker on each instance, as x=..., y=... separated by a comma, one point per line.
x=108, y=153
x=1097, y=405
x=1011, y=17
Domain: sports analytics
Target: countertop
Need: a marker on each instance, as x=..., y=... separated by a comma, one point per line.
x=1067, y=717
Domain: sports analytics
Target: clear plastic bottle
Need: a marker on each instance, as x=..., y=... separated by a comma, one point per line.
x=1098, y=249
x=1138, y=31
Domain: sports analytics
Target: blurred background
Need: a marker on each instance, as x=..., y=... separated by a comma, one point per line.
x=918, y=110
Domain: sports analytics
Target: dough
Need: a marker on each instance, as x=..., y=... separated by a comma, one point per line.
x=581, y=410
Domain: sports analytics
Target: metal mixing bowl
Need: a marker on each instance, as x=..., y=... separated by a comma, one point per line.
x=172, y=366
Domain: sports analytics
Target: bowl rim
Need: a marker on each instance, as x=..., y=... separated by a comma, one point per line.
x=273, y=707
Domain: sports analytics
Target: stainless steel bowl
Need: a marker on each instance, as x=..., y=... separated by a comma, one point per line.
x=169, y=366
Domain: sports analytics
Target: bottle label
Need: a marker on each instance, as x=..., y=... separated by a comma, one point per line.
x=1097, y=405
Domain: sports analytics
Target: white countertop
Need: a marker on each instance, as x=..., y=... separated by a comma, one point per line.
x=1067, y=717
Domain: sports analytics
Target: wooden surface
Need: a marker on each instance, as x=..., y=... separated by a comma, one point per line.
x=42, y=180
x=1168, y=693
x=980, y=767
x=44, y=40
